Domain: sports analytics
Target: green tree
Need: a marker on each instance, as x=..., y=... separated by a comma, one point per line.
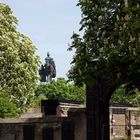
x=111, y=38
x=106, y=57
x=61, y=89
x=121, y=96
x=18, y=62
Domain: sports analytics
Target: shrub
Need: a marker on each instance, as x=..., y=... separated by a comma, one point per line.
x=7, y=108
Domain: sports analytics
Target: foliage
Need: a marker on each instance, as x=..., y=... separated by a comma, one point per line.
x=61, y=89
x=18, y=62
x=121, y=96
x=7, y=108
x=37, y=100
x=110, y=43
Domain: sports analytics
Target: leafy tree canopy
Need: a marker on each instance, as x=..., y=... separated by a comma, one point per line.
x=18, y=62
x=110, y=43
x=61, y=89
x=121, y=96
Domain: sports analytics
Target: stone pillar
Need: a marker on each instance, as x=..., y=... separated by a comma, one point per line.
x=67, y=130
x=47, y=134
x=28, y=132
x=78, y=116
x=128, y=124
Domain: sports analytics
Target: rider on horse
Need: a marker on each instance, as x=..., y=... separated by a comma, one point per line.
x=48, y=69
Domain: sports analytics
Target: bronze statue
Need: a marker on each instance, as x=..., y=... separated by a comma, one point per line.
x=48, y=70
x=42, y=74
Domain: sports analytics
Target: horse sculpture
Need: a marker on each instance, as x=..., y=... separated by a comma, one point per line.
x=48, y=70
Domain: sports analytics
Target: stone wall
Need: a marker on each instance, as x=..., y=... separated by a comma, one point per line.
x=124, y=123
x=10, y=131
x=15, y=129
x=133, y=120
x=78, y=116
x=71, y=125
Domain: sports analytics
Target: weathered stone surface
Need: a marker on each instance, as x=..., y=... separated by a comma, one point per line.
x=11, y=128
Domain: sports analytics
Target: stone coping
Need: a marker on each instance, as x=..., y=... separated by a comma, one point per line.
x=48, y=119
x=77, y=110
x=133, y=109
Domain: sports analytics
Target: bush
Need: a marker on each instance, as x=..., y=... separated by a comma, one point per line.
x=37, y=100
x=7, y=108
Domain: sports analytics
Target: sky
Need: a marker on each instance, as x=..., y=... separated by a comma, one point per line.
x=50, y=25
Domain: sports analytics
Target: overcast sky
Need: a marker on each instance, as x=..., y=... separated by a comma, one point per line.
x=49, y=24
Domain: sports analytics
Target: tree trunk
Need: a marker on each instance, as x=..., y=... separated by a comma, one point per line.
x=97, y=113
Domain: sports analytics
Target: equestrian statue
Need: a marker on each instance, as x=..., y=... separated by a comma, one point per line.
x=48, y=70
